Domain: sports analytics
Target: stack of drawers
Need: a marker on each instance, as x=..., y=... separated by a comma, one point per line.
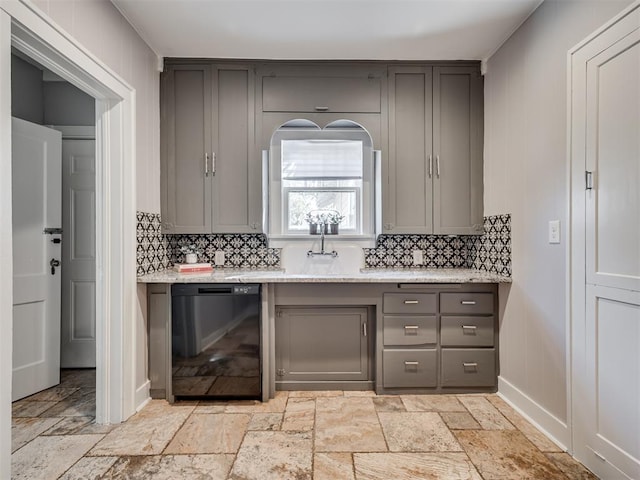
x=467, y=353
x=439, y=341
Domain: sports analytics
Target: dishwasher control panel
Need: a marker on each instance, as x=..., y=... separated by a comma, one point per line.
x=246, y=289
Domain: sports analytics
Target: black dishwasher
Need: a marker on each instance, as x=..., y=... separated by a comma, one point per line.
x=215, y=341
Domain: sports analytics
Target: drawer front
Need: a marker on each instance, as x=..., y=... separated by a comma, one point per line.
x=409, y=330
x=409, y=368
x=466, y=331
x=409, y=303
x=466, y=303
x=321, y=94
x=468, y=367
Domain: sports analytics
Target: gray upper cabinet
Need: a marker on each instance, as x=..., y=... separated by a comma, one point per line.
x=321, y=89
x=210, y=175
x=434, y=175
x=185, y=124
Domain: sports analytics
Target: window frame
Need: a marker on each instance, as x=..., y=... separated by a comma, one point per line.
x=301, y=129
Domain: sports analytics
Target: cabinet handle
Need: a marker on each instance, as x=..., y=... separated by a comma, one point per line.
x=438, y=165
x=411, y=364
x=469, y=364
x=321, y=109
x=206, y=164
x=364, y=329
x=411, y=327
x=470, y=327
x=430, y=166
x=213, y=163
x=468, y=302
x=410, y=302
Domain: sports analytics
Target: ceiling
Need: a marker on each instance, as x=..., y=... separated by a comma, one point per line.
x=327, y=29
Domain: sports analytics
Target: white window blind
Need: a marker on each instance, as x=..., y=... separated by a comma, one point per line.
x=321, y=159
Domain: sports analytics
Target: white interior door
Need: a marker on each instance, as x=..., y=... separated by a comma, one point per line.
x=36, y=190
x=610, y=410
x=78, y=333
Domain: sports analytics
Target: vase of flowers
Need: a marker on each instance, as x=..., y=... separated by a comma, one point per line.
x=191, y=252
x=333, y=221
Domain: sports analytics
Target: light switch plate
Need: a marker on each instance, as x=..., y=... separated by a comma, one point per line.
x=218, y=258
x=418, y=258
x=554, y=231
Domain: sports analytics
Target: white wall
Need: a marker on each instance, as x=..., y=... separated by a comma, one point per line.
x=526, y=175
x=100, y=28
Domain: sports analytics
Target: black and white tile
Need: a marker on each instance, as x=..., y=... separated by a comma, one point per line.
x=491, y=251
x=240, y=250
x=439, y=251
x=151, y=250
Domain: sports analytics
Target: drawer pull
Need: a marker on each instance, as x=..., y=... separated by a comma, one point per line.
x=411, y=327
x=411, y=364
x=411, y=302
x=473, y=365
x=321, y=109
x=468, y=302
x=469, y=327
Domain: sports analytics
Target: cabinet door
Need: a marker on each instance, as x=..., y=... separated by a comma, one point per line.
x=457, y=150
x=321, y=344
x=322, y=89
x=408, y=189
x=186, y=138
x=236, y=168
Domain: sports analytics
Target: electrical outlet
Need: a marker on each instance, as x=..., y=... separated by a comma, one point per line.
x=554, y=231
x=418, y=258
x=218, y=259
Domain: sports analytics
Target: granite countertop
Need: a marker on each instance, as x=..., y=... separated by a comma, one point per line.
x=239, y=275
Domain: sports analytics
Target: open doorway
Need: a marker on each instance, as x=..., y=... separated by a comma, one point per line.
x=44, y=104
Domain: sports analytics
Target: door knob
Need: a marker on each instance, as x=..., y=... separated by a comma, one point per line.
x=53, y=264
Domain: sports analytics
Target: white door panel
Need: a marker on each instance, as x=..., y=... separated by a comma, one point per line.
x=613, y=154
x=78, y=342
x=36, y=182
x=613, y=372
x=606, y=336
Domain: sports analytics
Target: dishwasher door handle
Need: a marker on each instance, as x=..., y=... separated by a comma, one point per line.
x=213, y=290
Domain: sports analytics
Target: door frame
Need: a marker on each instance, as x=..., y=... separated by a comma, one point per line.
x=25, y=27
x=576, y=281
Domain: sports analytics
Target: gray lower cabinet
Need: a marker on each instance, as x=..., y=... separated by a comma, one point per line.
x=415, y=368
x=468, y=367
x=468, y=335
x=434, y=174
x=409, y=334
x=210, y=171
x=321, y=344
x=438, y=338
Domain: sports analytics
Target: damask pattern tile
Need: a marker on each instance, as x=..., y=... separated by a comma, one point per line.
x=490, y=251
x=396, y=251
x=151, y=249
x=241, y=250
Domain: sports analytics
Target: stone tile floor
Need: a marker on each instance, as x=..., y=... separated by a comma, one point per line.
x=331, y=435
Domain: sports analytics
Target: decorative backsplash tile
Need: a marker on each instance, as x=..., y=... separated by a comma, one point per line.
x=489, y=252
x=240, y=250
x=396, y=251
x=151, y=250
x=492, y=251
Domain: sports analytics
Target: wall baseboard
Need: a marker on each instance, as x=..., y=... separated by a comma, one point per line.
x=557, y=430
x=142, y=396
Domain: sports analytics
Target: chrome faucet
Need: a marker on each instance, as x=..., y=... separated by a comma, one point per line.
x=311, y=253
